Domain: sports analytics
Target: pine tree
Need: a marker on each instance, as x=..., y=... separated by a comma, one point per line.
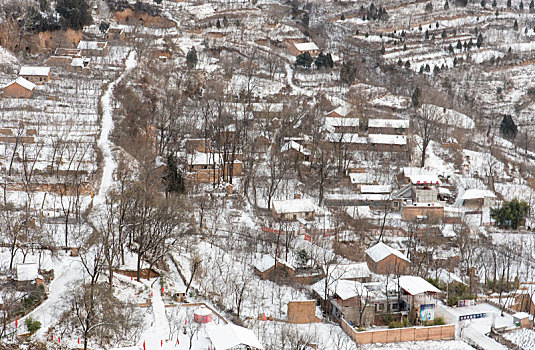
x=426, y=34
x=455, y=61
x=450, y=48
x=447, y=5
x=407, y=64
x=459, y=45
x=483, y=3
x=342, y=17
x=443, y=34
x=521, y=6
x=173, y=178
x=304, y=60
x=479, y=41
x=75, y=13
x=494, y=4
x=191, y=57
x=218, y=24
x=515, y=26
x=415, y=98
x=508, y=3
x=225, y=21
x=531, y=5
x=382, y=49
x=508, y=128
x=404, y=47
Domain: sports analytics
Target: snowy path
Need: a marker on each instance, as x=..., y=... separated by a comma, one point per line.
x=159, y=331
x=47, y=313
x=104, y=142
x=289, y=77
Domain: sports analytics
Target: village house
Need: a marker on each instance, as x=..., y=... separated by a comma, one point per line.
x=67, y=52
x=293, y=209
x=37, y=75
x=417, y=293
x=352, y=272
x=114, y=33
x=19, y=88
x=310, y=47
x=523, y=320
x=353, y=142
x=93, y=48
x=388, y=126
x=431, y=212
x=273, y=269
x=476, y=200
x=421, y=187
x=80, y=64
x=346, y=299
x=232, y=337
x=208, y=167
x=339, y=112
x=387, y=143
x=28, y=273
x=341, y=125
x=295, y=151
x=384, y=260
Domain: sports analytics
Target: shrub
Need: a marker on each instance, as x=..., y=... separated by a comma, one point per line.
x=32, y=325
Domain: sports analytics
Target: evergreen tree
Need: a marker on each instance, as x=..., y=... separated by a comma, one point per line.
x=218, y=24
x=427, y=69
x=521, y=6
x=348, y=72
x=450, y=48
x=459, y=45
x=74, y=13
x=494, y=4
x=404, y=47
x=426, y=34
x=515, y=25
x=342, y=17
x=443, y=34
x=407, y=64
x=382, y=51
x=103, y=27
x=304, y=60
x=511, y=214
x=508, y=128
x=400, y=63
x=225, y=21
x=531, y=5
x=329, y=62
x=483, y=3
x=447, y=5
x=320, y=61
x=420, y=27
x=415, y=98
x=455, y=61
x=172, y=177
x=479, y=41
x=191, y=58
x=508, y=3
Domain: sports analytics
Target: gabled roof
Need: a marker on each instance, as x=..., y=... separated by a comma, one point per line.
x=416, y=285
x=228, y=336
x=380, y=251
x=36, y=71
x=293, y=206
x=295, y=146
x=376, y=189
x=341, y=111
x=351, y=271
x=344, y=289
x=28, y=85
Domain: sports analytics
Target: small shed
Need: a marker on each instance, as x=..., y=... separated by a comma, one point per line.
x=202, y=315
x=523, y=320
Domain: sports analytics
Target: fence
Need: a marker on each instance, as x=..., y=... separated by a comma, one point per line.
x=400, y=334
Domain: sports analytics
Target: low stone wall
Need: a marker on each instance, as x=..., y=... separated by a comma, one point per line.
x=400, y=334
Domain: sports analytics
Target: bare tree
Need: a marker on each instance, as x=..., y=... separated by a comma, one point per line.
x=427, y=127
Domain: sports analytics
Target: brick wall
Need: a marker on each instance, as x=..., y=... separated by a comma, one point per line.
x=302, y=311
x=400, y=334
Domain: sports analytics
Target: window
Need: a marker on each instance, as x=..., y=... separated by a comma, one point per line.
x=295, y=216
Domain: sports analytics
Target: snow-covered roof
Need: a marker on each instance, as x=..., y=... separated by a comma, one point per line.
x=92, y=45
x=351, y=271
x=201, y=158
x=360, y=178
x=27, y=272
x=412, y=171
x=344, y=289
x=293, y=206
x=358, y=196
x=341, y=111
x=478, y=194
x=203, y=311
x=229, y=336
x=35, y=71
x=267, y=107
x=341, y=121
x=425, y=179
x=80, y=62
x=22, y=82
x=310, y=46
x=444, y=191
x=380, y=251
x=335, y=137
x=415, y=285
x=387, y=139
x=521, y=315
x=265, y=263
x=388, y=123
x=375, y=189
x=295, y=146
